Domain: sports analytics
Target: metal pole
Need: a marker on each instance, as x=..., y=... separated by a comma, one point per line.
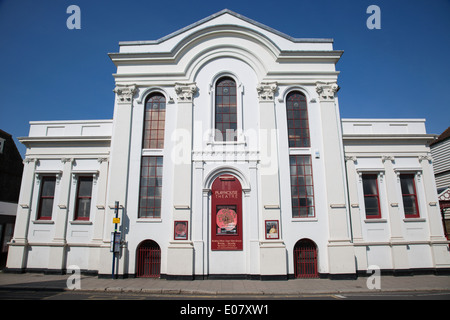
x=116, y=212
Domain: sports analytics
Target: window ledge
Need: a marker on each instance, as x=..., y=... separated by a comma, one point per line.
x=312, y=219
x=150, y=220
x=375, y=220
x=225, y=143
x=414, y=219
x=43, y=222
x=79, y=222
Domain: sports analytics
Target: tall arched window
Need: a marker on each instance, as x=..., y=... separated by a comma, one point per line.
x=297, y=117
x=226, y=110
x=154, y=122
x=150, y=189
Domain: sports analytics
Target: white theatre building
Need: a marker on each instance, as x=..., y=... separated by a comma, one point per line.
x=228, y=158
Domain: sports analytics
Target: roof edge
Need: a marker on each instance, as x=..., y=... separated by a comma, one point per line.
x=237, y=15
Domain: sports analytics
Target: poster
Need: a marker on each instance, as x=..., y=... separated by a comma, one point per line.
x=180, y=230
x=272, y=230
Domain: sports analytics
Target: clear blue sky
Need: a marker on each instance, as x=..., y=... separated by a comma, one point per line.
x=48, y=72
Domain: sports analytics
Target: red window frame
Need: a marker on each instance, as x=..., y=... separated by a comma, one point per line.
x=42, y=198
x=372, y=177
x=154, y=122
x=413, y=195
x=302, y=186
x=226, y=109
x=150, y=190
x=78, y=198
x=297, y=119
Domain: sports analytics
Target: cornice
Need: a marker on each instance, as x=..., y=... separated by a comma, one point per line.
x=80, y=139
x=239, y=16
x=388, y=136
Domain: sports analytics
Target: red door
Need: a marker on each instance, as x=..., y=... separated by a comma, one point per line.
x=305, y=259
x=226, y=214
x=148, y=260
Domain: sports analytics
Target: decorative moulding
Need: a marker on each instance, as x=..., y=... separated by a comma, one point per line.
x=326, y=90
x=185, y=91
x=125, y=93
x=266, y=91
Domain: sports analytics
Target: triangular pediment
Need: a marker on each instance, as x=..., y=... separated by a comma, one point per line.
x=230, y=18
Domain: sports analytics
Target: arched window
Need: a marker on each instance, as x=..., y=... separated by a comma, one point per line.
x=154, y=122
x=297, y=117
x=226, y=110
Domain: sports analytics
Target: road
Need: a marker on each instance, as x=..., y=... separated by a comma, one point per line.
x=10, y=294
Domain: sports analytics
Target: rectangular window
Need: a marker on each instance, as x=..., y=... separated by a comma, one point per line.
x=83, y=200
x=302, y=187
x=46, y=198
x=150, y=190
x=371, y=196
x=409, y=195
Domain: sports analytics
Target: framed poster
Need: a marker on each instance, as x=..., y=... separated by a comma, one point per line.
x=180, y=230
x=226, y=214
x=272, y=229
x=226, y=220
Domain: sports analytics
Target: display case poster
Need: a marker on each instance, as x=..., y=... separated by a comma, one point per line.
x=272, y=230
x=180, y=230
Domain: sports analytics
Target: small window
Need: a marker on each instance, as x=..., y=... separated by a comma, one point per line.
x=409, y=195
x=2, y=144
x=302, y=187
x=297, y=118
x=83, y=200
x=154, y=122
x=371, y=196
x=226, y=110
x=46, y=198
x=150, y=187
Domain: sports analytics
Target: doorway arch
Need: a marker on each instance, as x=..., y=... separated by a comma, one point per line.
x=305, y=259
x=226, y=214
x=148, y=260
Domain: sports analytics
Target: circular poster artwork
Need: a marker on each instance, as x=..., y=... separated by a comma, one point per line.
x=180, y=229
x=226, y=219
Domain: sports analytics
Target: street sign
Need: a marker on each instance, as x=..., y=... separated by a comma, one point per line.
x=116, y=220
x=115, y=242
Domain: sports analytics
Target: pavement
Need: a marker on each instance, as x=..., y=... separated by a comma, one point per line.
x=292, y=287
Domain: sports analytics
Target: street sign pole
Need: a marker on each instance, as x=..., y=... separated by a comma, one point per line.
x=114, y=244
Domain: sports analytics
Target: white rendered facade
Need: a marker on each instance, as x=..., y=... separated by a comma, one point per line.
x=266, y=66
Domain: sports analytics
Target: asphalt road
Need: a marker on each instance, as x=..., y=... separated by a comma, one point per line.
x=9, y=294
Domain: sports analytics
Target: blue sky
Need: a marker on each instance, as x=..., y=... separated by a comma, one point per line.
x=48, y=72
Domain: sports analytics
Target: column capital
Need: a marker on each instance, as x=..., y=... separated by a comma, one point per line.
x=326, y=90
x=266, y=91
x=185, y=91
x=125, y=93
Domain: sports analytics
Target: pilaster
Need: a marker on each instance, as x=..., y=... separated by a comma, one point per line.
x=438, y=242
x=118, y=170
x=180, y=254
x=340, y=249
x=272, y=253
x=18, y=249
